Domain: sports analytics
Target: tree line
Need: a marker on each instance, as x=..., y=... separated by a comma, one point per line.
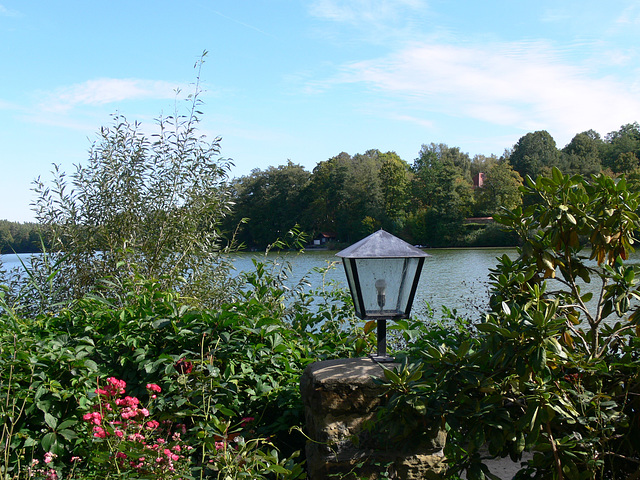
x=429, y=201
x=19, y=237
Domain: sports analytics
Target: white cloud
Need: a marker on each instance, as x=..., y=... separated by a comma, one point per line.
x=5, y=12
x=630, y=15
x=523, y=85
x=105, y=91
x=363, y=11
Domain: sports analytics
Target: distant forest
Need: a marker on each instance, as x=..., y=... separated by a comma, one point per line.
x=440, y=199
x=432, y=201
x=19, y=237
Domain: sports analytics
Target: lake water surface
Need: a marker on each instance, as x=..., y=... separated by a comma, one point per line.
x=455, y=278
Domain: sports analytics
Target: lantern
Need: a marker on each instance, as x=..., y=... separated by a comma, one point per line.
x=383, y=274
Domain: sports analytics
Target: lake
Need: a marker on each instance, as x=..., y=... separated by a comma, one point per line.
x=454, y=278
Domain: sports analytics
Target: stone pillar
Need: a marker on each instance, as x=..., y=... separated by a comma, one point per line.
x=339, y=396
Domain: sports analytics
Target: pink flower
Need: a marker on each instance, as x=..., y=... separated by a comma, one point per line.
x=75, y=459
x=152, y=424
x=144, y=412
x=136, y=437
x=93, y=417
x=219, y=445
x=246, y=420
x=48, y=457
x=114, y=387
x=52, y=474
x=99, y=432
x=127, y=401
x=128, y=413
x=153, y=387
x=119, y=433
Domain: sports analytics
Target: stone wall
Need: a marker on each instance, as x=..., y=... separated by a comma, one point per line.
x=340, y=396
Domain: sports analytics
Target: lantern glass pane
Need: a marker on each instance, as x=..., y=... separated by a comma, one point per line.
x=385, y=285
x=353, y=287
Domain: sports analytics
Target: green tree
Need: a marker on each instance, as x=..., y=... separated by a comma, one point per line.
x=271, y=200
x=624, y=141
x=344, y=190
x=625, y=162
x=582, y=155
x=501, y=188
x=551, y=369
x=442, y=197
x=394, y=182
x=534, y=154
x=150, y=206
x=328, y=195
x=482, y=164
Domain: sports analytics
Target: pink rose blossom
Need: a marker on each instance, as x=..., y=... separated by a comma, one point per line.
x=127, y=402
x=152, y=424
x=93, y=417
x=153, y=387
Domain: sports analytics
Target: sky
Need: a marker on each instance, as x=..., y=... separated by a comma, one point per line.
x=306, y=80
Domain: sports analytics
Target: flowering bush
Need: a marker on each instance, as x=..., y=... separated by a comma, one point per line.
x=126, y=438
x=237, y=457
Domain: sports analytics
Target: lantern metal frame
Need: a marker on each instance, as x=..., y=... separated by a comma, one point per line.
x=389, y=265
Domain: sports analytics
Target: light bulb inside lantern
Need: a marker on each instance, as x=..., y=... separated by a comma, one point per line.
x=381, y=288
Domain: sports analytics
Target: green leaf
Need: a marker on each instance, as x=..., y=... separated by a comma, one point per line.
x=48, y=441
x=67, y=424
x=68, y=435
x=50, y=420
x=392, y=376
x=539, y=359
x=475, y=472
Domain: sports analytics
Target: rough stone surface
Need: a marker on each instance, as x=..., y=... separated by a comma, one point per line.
x=340, y=396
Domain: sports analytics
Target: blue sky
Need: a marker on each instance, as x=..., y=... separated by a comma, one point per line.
x=306, y=80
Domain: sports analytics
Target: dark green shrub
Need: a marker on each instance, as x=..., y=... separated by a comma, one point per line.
x=548, y=372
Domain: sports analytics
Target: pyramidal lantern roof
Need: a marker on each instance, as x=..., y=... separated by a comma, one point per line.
x=381, y=244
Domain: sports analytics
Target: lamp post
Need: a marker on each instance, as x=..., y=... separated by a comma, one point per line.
x=383, y=273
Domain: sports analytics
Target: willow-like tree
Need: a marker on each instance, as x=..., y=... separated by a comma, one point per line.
x=140, y=206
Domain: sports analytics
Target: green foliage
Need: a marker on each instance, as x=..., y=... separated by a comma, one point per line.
x=215, y=367
x=534, y=154
x=151, y=204
x=18, y=237
x=500, y=190
x=548, y=371
x=271, y=200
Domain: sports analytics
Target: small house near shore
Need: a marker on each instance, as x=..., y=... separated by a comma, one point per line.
x=322, y=238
